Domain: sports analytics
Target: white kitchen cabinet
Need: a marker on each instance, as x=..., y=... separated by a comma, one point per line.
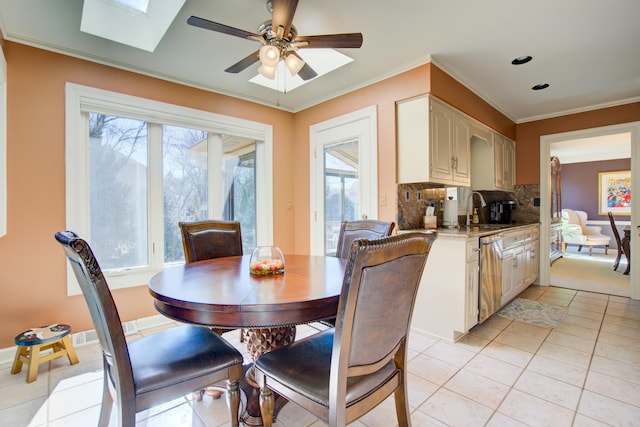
x=447, y=301
x=509, y=163
x=461, y=152
x=472, y=270
x=504, y=156
x=532, y=254
x=512, y=273
x=492, y=163
x=433, y=142
x=519, y=261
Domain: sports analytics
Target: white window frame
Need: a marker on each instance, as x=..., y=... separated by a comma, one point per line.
x=80, y=100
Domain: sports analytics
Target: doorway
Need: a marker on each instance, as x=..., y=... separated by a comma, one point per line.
x=545, y=152
x=344, y=178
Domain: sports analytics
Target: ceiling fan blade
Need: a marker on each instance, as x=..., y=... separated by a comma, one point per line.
x=282, y=16
x=244, y=63
x=307, y=73
x=221, y=28
x=349, y=40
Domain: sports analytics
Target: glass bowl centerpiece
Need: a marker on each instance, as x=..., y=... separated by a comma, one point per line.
x=266, y=260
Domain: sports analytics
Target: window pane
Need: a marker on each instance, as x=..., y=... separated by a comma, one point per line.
x=341, y=190
x=239, y=186
x=118, y=191
x=184, y=170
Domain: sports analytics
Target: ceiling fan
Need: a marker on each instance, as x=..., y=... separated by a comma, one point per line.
x=280, y=40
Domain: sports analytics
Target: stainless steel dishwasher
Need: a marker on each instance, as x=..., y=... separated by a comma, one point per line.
x=490, y=275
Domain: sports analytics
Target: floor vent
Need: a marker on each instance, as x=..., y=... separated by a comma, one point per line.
x=90, y=336
x=130, y=327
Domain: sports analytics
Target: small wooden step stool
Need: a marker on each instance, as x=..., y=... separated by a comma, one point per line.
x=30, y=343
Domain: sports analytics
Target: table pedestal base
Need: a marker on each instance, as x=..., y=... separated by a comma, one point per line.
x=260, y=341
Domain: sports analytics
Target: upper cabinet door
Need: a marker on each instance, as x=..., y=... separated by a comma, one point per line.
x=433, y=142
x=498, y=153
x=461, y=150
x=509, y=175
x=442, y=154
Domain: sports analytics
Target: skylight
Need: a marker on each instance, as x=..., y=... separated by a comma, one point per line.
x=322, y=61
x=137, y=23
x=139, y=5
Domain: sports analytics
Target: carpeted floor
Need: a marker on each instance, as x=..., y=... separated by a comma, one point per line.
x=578, y=270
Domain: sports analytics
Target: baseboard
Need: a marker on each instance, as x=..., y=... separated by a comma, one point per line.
x=91, y=337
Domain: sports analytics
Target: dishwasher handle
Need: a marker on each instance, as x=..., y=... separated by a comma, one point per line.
x=490, y=239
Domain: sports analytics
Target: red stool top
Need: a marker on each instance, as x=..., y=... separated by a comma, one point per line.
x=43, y=335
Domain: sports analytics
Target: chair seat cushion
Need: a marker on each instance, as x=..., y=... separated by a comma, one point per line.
x=598, y=240
x=179, y=354
x=305, y=365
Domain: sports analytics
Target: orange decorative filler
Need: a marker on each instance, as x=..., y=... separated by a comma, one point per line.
x=266, y=260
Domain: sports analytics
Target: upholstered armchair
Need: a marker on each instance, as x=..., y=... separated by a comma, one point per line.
x=576, y=231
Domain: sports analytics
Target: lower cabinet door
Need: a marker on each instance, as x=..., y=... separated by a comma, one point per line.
x=512, y=273
x=472, y=294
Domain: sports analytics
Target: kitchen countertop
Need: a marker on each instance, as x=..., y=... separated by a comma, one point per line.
x=474, y=231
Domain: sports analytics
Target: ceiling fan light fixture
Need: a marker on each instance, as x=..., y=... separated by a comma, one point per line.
x=294, y=64
x=269, y=55
x=267, y=72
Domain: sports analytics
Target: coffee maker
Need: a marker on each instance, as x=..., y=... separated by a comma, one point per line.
x=500, y=212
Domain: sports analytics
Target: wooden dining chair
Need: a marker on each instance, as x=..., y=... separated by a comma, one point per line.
x=156, y=368
x=210, y=239
x=343, y=372
x=616, y=235
x=360, y=229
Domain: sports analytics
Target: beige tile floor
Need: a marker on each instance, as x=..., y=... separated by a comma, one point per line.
x=586, y=372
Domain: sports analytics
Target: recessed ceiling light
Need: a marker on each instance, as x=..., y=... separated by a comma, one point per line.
x=540, y=86
x=521, y=60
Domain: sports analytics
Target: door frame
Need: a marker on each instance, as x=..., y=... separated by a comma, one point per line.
x=545, y=187
x=368, y=156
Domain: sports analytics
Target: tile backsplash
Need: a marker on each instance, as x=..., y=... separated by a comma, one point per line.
x=413, y=199
x=412, y=202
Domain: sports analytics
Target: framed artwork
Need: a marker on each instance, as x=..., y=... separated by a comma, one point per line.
x=614, y=193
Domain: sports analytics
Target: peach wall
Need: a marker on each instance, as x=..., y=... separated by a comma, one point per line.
x=34, y=286
x=528, y=135
x=383, y=95
x=427, y=78
x=32, y=276
x=455, y=94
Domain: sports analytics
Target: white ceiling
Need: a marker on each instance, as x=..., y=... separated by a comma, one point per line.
x=593, y=149
x=587, y=50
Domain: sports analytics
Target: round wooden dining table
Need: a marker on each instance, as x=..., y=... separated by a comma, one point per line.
x=222, y=292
